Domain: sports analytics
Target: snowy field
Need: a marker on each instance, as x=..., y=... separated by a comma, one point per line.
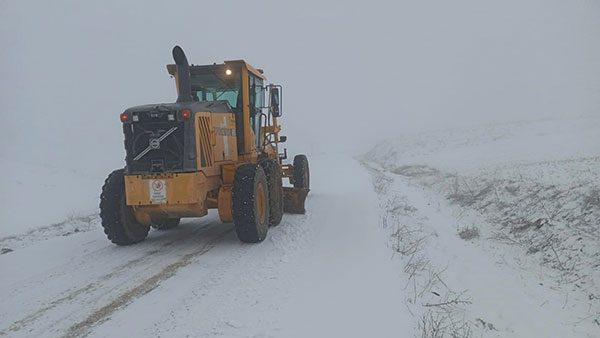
x=473, y=232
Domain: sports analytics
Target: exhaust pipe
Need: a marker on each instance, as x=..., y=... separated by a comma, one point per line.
x=184, y=81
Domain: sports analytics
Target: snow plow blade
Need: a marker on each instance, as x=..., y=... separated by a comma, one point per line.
x=293, y=200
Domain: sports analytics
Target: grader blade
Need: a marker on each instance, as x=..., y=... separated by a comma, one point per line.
x=293, y=200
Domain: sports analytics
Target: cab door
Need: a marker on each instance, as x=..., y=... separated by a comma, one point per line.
x=258, y=119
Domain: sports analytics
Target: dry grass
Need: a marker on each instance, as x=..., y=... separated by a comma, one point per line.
x=468, y=233
x=439, y=309
x=552, y=218
x=554, y=222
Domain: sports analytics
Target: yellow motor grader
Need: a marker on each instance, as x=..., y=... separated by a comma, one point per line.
x=216, y=147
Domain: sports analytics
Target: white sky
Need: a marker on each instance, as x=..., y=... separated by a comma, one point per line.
x=353, y=72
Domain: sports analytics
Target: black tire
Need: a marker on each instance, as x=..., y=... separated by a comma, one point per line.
x=166, y=224
x=275, y=181
x=301, y=172
x=250, y=203
x=120, y=225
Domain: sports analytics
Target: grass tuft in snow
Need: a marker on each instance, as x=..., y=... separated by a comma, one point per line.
x=468, y=233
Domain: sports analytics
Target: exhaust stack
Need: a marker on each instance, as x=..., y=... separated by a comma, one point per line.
x=184, y=82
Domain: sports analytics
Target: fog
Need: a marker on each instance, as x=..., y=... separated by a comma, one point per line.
x=353, y=72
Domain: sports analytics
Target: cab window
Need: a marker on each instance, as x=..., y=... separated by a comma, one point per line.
x=218, y=82
x=256, y=94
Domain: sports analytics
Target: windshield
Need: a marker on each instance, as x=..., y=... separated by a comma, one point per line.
x=218, y=82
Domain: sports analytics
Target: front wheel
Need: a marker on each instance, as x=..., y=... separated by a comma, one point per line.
x=275, y=182
x=120, y=225
x=301, y=172
x=250, y=203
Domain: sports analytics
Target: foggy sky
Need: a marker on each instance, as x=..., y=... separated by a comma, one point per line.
x=353, y=72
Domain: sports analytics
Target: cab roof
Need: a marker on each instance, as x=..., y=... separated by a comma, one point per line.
x=172, y=68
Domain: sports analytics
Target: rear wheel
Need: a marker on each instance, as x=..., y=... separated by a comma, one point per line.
x=250, y=203
x=275, y=183
x=301, y=172
x=120, y=225
x=166, y=224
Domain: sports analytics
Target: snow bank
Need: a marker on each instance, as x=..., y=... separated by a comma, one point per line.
x=38, y=195
x=528, y=190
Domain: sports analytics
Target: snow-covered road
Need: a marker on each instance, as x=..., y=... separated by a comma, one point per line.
x=326, y=273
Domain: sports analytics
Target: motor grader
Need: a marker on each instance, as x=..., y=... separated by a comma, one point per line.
x=216, y=147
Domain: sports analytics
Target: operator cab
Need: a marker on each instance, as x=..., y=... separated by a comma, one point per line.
x=240, y=85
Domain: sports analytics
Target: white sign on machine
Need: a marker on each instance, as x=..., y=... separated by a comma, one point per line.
x=158, y=191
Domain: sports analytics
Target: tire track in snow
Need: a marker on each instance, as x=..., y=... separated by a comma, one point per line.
x=21, y=323
x=99, y=287
x=82, y=328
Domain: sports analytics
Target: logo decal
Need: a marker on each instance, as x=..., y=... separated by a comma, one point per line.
x=158, y=191
x=224, y=131
x=154, y=143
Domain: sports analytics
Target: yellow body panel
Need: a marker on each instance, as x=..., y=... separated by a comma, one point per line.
x=225, y=142
x=247, y=66
x=183, y=188
x=225, y=204
x=184, y=195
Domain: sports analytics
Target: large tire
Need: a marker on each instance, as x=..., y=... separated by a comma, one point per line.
x=250, y=203
x=275, y=181
x=301, y=172
x=166, y=224
x=120, y=225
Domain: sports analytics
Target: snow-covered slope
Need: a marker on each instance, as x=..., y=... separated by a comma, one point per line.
x=494, y=145
x=35, y=195
x=507, y=217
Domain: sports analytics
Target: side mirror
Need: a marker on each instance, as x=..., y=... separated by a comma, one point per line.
x=282, y=139
x=275, y=101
